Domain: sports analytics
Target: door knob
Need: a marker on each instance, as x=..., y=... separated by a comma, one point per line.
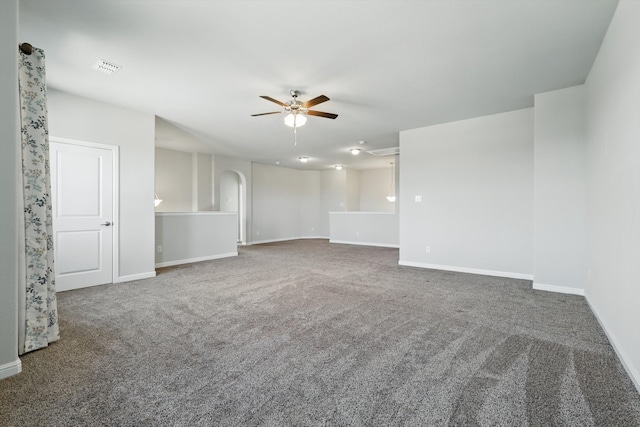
x=108, y=223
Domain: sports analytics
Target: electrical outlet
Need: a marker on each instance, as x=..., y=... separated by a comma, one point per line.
x=428, y=249
x=159, y=249
x=357, y=233
x=418, y=199
x=313, y=229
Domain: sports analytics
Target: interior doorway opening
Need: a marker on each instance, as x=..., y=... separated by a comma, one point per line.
x=233, y=199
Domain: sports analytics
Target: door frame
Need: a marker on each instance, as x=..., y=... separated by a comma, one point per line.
x=115, y=152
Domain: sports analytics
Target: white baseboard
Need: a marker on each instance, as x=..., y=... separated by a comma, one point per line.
x=558, y=289
x=468, y=270
x=133, y=277
x=192, y=260
x=382, y=245
x=631, y=370
x=10, y=369
x=259, y=242
x=286, y=239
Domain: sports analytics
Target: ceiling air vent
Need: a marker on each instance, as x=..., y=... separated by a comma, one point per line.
x=106, y=67
x=385, y=152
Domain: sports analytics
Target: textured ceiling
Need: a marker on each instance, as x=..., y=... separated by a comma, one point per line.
x=386, y=65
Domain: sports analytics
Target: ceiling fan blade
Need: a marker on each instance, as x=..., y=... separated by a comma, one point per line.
x=315, y=101
x=264, y=114
x=322, y=114
x=268, y=98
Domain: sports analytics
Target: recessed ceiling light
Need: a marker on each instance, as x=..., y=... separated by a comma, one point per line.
x=303, y=159
x=277, y=163
x=106, y=66
x=355, y=151
x=361, y=142
x=339, y=167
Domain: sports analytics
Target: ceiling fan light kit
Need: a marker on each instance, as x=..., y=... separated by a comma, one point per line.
x=295, y=120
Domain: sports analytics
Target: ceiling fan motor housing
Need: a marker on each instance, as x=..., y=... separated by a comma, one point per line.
x=295, y=106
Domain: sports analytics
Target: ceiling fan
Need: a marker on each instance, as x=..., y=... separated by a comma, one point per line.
x=297, y=110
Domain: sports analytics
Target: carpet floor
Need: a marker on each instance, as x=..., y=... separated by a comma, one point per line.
x=308, y=333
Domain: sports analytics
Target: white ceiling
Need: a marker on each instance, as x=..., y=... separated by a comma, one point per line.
x=386, y=65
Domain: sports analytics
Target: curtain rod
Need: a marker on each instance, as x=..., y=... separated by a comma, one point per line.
x=26, y=48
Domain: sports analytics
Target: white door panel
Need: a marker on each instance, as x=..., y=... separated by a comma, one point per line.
x=81, y=252
x=82, y=201
x=78, y=174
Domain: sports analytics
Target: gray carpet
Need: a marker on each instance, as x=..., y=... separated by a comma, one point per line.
x=309, y=333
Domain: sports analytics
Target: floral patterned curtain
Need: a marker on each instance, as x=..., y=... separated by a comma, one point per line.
x=40, y=311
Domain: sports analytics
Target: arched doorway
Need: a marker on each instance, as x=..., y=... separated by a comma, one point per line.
x=233, y=199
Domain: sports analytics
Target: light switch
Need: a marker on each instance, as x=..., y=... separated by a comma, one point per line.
x=418, y=199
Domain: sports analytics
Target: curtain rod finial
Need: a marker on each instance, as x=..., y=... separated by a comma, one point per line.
x=26, y=48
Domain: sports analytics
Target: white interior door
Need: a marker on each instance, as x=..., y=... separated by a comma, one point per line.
x=82, y=201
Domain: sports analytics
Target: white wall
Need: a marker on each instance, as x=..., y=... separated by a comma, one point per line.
x=283, y=203
x=364, y=228
x=194, y=236
x=560, y=190
x=475, y=178
x=310, y=214
x=184, y=174
x=204, y=181
x=613, y=165
x=333, y=196
x=276, y=206
x=83, y=119
x=291, y=203
x=353, y=190
x=375, y=186
x=9, y=143
x=172, y=136
x=229, y=191
x=174, y=180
